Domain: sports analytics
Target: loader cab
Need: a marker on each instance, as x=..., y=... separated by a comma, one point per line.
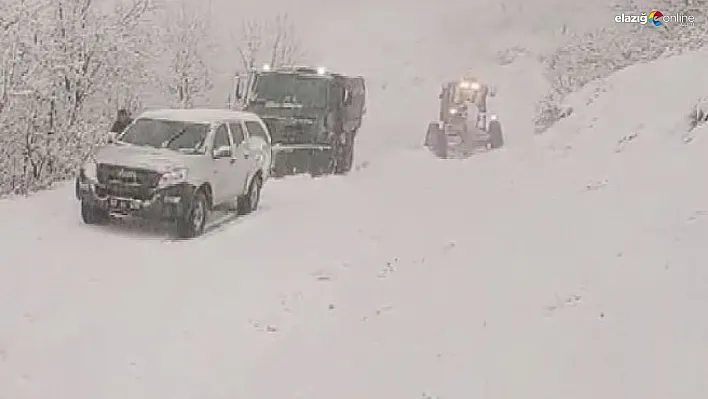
x=460, y=93
x=447, y=100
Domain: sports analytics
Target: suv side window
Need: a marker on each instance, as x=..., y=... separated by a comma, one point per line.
x=255, y=129
x=221, y=137
x=237, y=133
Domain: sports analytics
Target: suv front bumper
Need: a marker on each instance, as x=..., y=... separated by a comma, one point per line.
x=168, y=203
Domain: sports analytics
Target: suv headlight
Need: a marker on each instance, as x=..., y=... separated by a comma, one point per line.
x=173, y=177
x=90, y=170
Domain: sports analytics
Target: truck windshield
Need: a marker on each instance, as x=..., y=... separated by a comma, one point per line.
x=306, y=91
x=175, y=135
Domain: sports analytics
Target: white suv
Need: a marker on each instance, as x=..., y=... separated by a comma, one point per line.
x=178, y=164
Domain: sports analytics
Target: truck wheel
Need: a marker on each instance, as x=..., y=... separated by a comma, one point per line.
x=496, y=138
x=91, y=214
x=330, y=164
x=348, y=158
x=345, y=159
x=249, y=202
x=192, y=222
x=437, y=139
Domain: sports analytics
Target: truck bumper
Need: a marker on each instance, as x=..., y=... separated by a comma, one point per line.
x=170, y=203
x=298, y=159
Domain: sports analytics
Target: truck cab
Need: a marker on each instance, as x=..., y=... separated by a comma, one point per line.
x=313, y=115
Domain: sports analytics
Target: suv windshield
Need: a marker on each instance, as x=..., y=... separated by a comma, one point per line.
x=175, y=135
x=308, y=91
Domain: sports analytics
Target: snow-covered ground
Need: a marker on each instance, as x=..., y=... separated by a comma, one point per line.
x=565, y=266
x=571, y=268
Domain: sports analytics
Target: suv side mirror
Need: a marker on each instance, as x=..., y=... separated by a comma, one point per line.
x=222, y=152
x=112, y=136
x=492, y=91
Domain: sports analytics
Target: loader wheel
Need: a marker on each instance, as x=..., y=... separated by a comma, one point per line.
x=436, y=139
x=432, y=126
x=496, y=138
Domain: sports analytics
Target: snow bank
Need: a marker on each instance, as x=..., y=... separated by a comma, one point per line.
x=587, y=56
x=655, y=100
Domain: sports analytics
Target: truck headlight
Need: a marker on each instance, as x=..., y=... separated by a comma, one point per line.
x=453, y=111
x=173, y=177
x=90, y=170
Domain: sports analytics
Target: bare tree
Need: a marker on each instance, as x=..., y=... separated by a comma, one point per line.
x=275, y=41
x=285, y=44
x=185, y=42
x=252, y=41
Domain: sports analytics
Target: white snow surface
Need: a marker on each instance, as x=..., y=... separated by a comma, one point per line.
x=563, y=267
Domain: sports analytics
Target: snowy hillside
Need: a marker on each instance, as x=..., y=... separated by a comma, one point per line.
x=569, y=268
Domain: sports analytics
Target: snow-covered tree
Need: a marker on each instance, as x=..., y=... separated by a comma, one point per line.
x=59, y=61
x=67, y=66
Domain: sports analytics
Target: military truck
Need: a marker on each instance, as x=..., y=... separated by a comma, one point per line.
x=313, y=116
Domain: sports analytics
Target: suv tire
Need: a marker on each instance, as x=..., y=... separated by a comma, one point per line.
x=249, y=202
x=191, y=224
x=91, y=214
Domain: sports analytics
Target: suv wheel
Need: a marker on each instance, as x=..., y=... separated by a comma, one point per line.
x=249, y=202
x=192, y=223
x=91, y=214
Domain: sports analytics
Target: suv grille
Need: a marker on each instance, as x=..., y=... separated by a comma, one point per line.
x=125, y=182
